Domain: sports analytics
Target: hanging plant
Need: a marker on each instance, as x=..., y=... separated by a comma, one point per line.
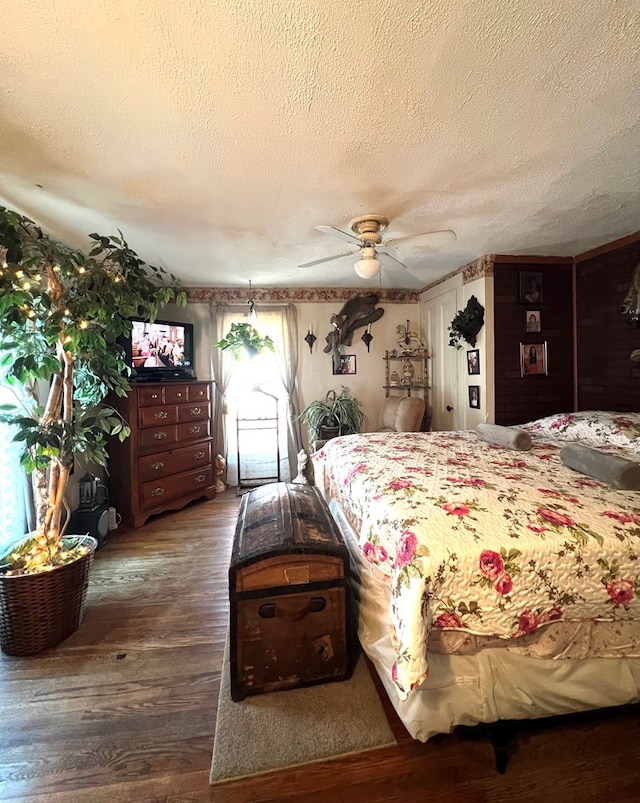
x=466, y=324
x=243, y=338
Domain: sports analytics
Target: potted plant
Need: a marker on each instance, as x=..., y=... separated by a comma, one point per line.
x=61, y=312
x=244, y=338
x=336, y=414
x=466, y=324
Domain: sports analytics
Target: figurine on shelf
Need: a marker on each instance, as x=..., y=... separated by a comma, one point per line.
x=409, y=342
x=407, y=372
x=394, y=379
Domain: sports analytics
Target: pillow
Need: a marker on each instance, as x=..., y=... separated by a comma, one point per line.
x=615, y=471
x=590, y=427
x=507, y=437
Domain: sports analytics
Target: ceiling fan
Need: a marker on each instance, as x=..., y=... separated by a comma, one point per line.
x=374, y=251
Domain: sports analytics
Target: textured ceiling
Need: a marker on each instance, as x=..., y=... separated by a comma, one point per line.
x=217, y=133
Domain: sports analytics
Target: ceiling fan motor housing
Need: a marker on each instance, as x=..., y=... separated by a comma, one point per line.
x=369, y=227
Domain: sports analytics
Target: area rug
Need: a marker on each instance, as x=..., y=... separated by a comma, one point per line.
x=269, y=732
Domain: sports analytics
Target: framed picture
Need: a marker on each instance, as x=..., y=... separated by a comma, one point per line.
x=530, y=287
x=533, y=359
x=347, y=364
x=533, y=322
x=474, y=396
x=473, y=361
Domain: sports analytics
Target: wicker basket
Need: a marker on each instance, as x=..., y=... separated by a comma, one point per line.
x=38, y=611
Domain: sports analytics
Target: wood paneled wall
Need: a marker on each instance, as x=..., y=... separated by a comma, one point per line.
x=607, y=378
x=520, y=399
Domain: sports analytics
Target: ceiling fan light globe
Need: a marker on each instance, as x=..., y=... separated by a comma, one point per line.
x=367, y=268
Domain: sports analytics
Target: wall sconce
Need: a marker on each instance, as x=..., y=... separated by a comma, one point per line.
x=367, y=337
x=310, y=339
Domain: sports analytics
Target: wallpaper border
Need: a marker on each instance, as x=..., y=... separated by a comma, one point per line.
x=296, y=295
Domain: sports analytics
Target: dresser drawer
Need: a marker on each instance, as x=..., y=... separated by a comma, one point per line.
x=151, y=397
x=158, y=437
x=155, y=466
x=193, y=412
x=198, y=393
x=154, y=416
x=159, y=491
x=194, y=430
x=176, y=393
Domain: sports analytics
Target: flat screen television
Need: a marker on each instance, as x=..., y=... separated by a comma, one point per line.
x=160, y=351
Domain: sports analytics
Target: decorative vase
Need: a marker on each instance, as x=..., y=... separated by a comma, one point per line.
x=40, y=610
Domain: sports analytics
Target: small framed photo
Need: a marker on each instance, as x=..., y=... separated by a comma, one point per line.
x=473, y=361
x=530, y=287
x=347, y=364
x=533, y=322
x=534, y=359
x=474, y=396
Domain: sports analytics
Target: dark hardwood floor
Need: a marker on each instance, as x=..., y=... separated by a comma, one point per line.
x=124, y=710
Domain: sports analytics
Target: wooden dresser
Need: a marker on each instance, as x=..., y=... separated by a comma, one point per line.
x=168, y=459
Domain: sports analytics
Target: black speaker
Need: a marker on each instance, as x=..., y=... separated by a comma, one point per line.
x=95, y=522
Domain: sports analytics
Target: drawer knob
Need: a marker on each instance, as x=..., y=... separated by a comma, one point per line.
x=159, y=435
x=157, y=492
x=195, y=410
x=201, y=477
x=179, y=395
x=198, y=455
x=194, y=430
x=157, y=466
x=161, y=414
x=154, y=395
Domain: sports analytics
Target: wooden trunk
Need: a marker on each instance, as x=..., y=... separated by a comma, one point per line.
x=292, y=622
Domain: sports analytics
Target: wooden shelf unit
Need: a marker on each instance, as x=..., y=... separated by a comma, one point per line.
x=420, y=383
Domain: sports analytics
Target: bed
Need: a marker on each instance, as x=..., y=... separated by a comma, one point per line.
x=494, y=584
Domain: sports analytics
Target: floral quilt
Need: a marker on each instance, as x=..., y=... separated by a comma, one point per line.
x=482, y=539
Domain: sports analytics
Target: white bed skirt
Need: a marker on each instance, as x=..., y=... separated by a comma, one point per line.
x=493, y=684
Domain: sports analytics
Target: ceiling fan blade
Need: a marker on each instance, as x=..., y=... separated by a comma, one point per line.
x=342, y=235
x=390, y=261
x=326, y=259
x=433, y=239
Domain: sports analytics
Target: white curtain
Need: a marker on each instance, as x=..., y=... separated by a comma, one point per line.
x=274, y=373
x=221, y=316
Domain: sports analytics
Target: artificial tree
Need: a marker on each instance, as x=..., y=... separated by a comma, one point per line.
x=61, y=312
